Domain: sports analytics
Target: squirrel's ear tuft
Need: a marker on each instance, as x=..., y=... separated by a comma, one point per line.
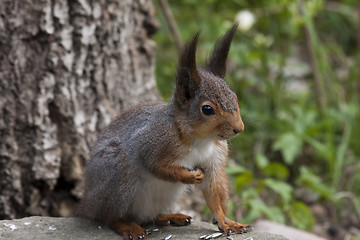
x=187, y=78
x=217, y=61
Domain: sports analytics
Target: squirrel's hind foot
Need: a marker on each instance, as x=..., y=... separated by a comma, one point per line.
x=228, y=226
x=176, y=219
x=129, y=229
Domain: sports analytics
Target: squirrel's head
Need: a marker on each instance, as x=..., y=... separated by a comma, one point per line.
x=202, y=96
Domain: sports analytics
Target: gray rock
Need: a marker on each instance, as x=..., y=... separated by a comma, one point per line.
x=45, y=228
x=289, y=232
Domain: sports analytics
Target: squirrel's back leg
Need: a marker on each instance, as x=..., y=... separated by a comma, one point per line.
x=177, y=219
x=129, y=229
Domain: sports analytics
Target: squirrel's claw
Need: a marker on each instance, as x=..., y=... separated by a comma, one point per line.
x=129, y=229
x=176, y=219
x=133, y=236
x=227, y=226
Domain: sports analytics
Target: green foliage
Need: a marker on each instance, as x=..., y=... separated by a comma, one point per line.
x=258, y=207
x=277, y=170
x=283, y=189
x=314, y=182
x=290, y=146
x=296, y=74
x=301, y=216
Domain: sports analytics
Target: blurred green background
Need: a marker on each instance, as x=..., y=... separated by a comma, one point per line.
x=295, y=68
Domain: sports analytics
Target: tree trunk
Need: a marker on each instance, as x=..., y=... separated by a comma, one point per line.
x=66, y=69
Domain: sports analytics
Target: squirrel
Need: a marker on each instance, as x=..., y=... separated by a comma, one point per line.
x=143, y=161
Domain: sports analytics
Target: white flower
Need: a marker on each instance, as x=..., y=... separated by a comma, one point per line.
x=246, y=19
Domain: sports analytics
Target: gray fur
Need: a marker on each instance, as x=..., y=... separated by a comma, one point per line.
x=114, y=175
x=127, y=151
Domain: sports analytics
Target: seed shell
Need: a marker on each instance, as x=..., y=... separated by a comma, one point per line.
x=167, y=237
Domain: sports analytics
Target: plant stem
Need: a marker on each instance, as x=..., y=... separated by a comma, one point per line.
x=320, y=96
x=170, y=20
x=358, y=45
x=312, y=43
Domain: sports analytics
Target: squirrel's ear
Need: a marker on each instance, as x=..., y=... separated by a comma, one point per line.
x=217, y=61
x=187, y=78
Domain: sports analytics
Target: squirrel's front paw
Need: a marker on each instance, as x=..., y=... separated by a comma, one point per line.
x=192, y=176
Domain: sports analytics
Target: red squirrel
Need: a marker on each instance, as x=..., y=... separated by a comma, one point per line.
x=144, y=159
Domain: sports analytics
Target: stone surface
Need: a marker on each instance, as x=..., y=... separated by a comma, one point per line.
x=44, y=228
x=289, y=232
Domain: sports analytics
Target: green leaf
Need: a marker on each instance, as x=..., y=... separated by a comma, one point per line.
x=290, y=146
x=301, y=216
x=258, y=207
x=276, y=170
x=261, y=160
x=248, y=194
x=314, y=182
x=254, y=211
x=275, y=214
x=243, y=179
x=282, y=188
x=235, y=170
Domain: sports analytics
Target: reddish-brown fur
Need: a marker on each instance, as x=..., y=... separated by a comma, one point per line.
x=129, y=229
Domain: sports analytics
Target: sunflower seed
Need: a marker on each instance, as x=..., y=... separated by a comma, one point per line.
x=203, y=237
x=216, y=235
x=167, y=237
x=249, y=238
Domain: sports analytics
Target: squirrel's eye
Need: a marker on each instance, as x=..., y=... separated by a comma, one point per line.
x=207, y=110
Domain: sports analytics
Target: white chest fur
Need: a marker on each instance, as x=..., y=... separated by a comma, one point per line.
x=158, y=196
x=205, y=154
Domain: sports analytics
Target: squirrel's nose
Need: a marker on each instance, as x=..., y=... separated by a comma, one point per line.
x=236, y=131
x=239, y=129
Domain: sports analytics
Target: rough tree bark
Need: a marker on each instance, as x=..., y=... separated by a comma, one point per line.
x=66, y=69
